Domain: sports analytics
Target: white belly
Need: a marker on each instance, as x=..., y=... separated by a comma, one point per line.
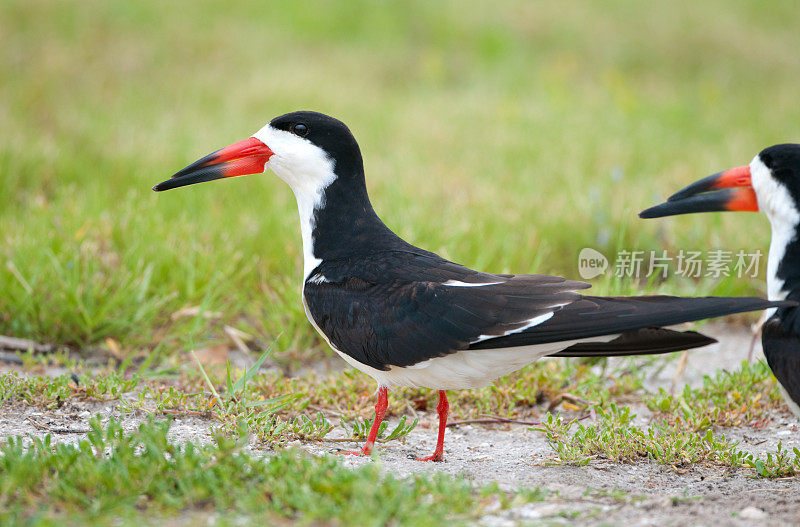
x=792, y=405
x=464, y=369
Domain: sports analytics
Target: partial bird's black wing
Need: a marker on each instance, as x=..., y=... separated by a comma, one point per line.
x=780, y=338
x=646, y=341
x=402, y=308
x=637, y=320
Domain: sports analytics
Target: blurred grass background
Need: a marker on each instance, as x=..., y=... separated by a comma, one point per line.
x=505, y=137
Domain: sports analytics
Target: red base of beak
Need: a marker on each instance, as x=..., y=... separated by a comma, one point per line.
x=239, y=159
x=728, y=190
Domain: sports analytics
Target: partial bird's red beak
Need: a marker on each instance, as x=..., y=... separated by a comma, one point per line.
x=239, y=159
x=728, y=190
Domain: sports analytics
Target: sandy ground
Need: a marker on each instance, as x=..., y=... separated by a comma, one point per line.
x=601, y=493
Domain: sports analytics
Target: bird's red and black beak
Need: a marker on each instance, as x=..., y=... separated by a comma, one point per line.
x=728, y=190
x=239, y=159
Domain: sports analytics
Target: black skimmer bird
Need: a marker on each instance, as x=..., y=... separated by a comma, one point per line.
x=771, y=182
x=408, y=317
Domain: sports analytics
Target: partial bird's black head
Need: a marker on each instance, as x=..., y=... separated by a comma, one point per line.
x=306, y=149
x=327, y=133
x=770, y=183
x=783, y=164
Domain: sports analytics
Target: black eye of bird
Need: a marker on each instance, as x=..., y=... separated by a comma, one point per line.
x=300, y=129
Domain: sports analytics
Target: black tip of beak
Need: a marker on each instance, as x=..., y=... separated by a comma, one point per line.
x=164, y=185
x=175, y=182
x=669, y=208
x=652, y=212
x=201, y=170
x=682, y=203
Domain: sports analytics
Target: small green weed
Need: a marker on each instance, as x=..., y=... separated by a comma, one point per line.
x=50, y=392
x=730, y=398
x=359, y=428
x=234, y=399
x=780, y=464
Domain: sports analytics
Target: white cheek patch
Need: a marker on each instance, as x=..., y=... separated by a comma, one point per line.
x=773, y=197
x=307, y=170
x=304, y=166
x=776, y=202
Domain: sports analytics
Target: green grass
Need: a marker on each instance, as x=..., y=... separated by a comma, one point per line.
x=574, y=117
x=52, y=392
x=278, y=409
x=685, y=430
x=740, y=397
x=616, y=438
x=145, y=478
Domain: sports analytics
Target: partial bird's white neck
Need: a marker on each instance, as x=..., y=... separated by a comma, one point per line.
x=306, y=208
x=308, y=171
x=782, y=234
x=777, y=203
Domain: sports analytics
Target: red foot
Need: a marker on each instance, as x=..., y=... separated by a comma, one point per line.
x=442, y=409
x=363, y=452
x=437, y=457
x=380, y=411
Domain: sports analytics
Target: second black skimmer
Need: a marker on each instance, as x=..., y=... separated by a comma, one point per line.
x=771, y=183
x=408, y=317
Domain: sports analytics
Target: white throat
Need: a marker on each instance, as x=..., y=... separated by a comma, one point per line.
x=308, y=170
x=784, y=218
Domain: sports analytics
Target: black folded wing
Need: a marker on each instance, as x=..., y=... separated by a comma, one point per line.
x=402, y=309
x=780, y=338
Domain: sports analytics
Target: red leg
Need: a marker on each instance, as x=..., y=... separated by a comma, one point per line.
x=443, y=409
x=380, y=411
